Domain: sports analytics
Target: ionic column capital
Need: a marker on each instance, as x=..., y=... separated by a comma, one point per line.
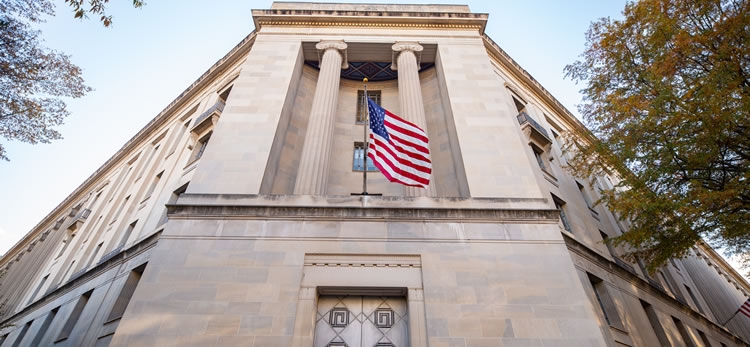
x=338, y=45
x=405, y=46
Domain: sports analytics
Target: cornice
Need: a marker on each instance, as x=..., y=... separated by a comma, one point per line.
x=88, y=276
x=534, y=86
x=718, y=260
x=370, y=19
x=641, y=284
x=162, y=117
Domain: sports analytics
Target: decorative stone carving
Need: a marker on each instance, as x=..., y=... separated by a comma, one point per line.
x=400, y=47
x=338, y=46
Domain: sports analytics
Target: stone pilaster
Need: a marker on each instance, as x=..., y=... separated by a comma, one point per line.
x=312, y=176
x=406, y=62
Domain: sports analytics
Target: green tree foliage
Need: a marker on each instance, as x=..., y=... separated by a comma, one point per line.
x=667, y=96
x=33, y=78
x=96, y=7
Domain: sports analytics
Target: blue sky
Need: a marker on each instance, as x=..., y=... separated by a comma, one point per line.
x=150, y=55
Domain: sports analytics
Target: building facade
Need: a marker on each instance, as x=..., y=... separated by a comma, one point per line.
x=236, y=216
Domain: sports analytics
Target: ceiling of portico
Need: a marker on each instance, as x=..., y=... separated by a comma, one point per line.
x=371, y=60
x=369, y=52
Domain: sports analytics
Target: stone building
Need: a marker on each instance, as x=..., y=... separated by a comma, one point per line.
x=230, y=218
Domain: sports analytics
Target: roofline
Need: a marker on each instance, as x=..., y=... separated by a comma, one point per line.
x=369, y=19
x=237, y=52
x=715, y=256
x=533, y=85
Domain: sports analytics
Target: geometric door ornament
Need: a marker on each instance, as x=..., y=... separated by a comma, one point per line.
x=361, y=321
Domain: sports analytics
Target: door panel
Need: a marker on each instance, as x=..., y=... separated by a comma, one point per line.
x=361, y=321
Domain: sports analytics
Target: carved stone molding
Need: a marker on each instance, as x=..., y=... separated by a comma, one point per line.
x=357, y=260
x=339, y=45
x=400, y=47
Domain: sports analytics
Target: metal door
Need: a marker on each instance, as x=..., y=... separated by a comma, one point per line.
x=361, y=321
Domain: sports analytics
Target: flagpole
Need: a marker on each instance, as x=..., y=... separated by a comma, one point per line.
x=730, y=317
x=366, y=144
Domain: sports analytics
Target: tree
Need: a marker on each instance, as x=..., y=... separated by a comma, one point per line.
x=667, y=96
x=33, y=78
x=95, y=7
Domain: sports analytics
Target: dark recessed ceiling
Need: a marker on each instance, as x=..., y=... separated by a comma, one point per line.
x=374, y=71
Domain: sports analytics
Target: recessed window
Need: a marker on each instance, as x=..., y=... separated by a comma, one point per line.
x=225, y=94
x=200, y=147
x=153, y=185
x=22, y=334
x=359, y=155
x=683, y=332
x=74, y=316
x=362, y=111
x=38, y=288
x=539, y=156
x=45, y=326
x=605, y=239
x=607, y=305
x=560, y=205
x=653, y=319
x=126, y=293
x=126, y=235
x=694, y=298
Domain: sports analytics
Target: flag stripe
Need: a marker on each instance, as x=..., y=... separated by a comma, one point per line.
x=380, y=151
x=385, y=150
x=745, y=308
x=398, y=148
x=414, y=160
x=394, y=174
x=416, y=137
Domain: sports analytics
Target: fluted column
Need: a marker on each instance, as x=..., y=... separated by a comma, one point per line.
x=312, y=176
x=410, y=95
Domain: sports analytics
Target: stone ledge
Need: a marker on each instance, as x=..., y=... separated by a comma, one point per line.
x=183, y=211
x=370, y=201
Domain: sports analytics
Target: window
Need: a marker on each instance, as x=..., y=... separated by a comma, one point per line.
x=118, y=309
x=605, y=239
x=607, y=305
x=93, y=255
x=43, y=329
x=674, y=264
x=653, y=319
x=22, y=334
x=153, y=185
x=704, y=338
x=359, y=154
x=200, y=147
x=38, y=288
x=225, y=95
x=173, y=199
x=70, y=267
x=519, y=102
x=74, y=316
x=695, y=300
x=539, y=155
x=683, y=332
x=361, y=111
x=585, y=195
x=126, y=236
x=119, y=209
x=560, y=205
x=66, y=242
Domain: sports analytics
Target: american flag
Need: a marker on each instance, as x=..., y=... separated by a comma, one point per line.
x=745, y=308
x=399, y=149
